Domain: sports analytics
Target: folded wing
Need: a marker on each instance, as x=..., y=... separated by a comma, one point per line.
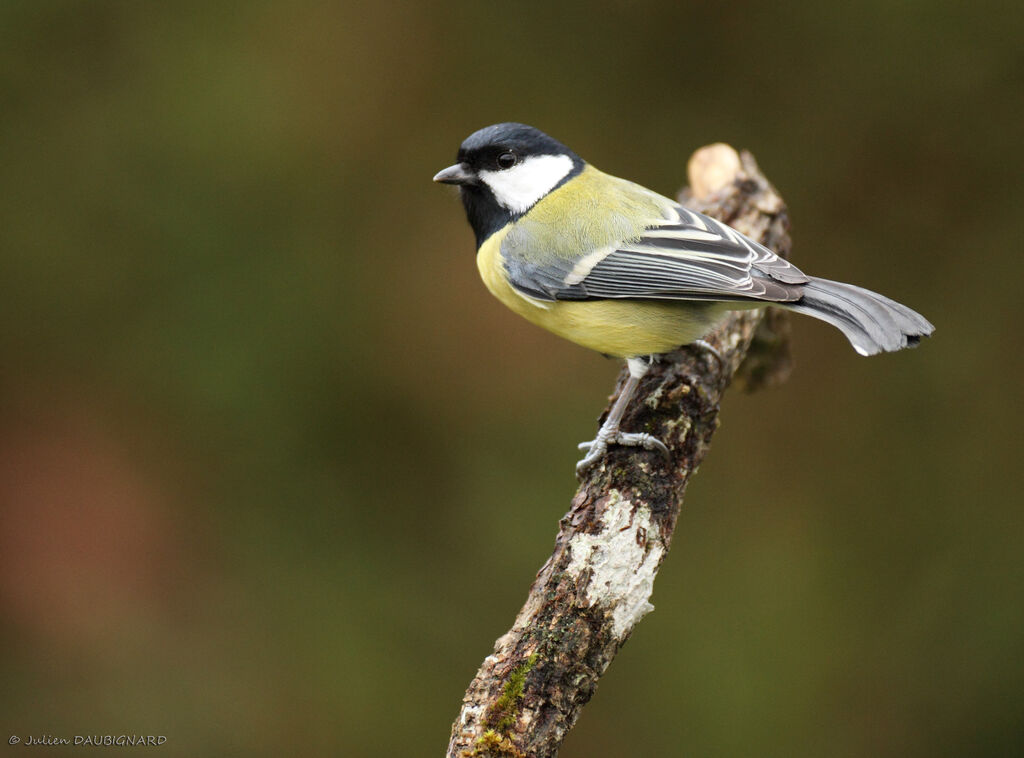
x=684, y=256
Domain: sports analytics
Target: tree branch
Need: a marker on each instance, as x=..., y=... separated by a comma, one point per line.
x=595, y=587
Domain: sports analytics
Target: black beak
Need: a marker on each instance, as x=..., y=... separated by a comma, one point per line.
x=460, y=173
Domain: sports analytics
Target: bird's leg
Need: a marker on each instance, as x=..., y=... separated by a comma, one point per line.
x=609, y=432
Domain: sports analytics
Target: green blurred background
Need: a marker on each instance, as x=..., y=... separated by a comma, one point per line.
x=275, y=469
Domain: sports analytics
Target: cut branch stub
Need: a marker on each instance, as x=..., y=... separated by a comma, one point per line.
x=597, y=583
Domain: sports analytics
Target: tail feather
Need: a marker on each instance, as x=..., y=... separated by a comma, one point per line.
x=873, y=323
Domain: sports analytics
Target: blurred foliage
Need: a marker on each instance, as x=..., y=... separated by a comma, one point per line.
x=275, y=469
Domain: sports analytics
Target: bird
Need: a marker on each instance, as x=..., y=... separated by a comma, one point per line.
x=620, y=269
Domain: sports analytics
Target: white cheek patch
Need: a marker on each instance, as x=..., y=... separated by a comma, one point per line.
x=519, y=187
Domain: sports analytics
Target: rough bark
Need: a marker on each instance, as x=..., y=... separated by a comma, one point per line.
x=595, y=587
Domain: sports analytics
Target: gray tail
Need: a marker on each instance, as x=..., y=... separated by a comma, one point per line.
x=873, y=323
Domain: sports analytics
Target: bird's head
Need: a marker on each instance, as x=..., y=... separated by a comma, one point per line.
x=504, y=170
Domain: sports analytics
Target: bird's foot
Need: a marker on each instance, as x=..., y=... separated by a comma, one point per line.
x=711, y=349
x=597, y=447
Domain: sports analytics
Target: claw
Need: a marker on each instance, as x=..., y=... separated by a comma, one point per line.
x=595, y=451
x=597, y=448
x=711, y=349
x=641, y=439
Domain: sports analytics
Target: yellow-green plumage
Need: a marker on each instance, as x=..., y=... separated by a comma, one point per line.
x=587, y=213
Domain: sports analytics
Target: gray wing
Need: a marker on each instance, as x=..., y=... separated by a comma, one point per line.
x=688, y=256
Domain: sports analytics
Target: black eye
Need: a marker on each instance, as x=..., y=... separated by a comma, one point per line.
x=507, y=160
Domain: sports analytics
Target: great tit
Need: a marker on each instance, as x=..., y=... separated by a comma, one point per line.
x=620, y=269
